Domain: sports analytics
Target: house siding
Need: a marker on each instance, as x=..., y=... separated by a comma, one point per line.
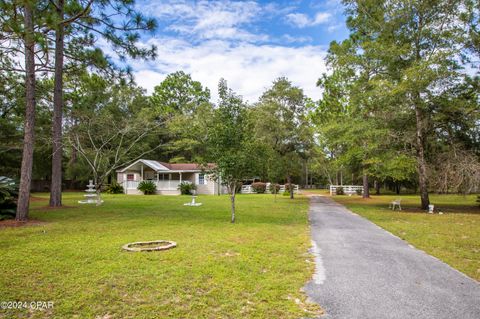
x=121, y=177
x=209, y=188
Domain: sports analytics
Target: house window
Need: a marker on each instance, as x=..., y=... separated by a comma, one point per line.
x=201, y=179
x=130, y=177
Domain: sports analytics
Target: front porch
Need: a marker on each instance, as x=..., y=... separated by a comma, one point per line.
x=166, y=183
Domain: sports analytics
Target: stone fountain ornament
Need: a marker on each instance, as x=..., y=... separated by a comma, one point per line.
x=91, y=196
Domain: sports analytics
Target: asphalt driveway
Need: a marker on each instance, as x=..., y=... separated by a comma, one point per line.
x=363, y=271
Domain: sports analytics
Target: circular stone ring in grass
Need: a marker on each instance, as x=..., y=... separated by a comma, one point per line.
x=155, y=245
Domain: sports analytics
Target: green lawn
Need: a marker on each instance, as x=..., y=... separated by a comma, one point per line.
x=253, y=269
x=453, y=237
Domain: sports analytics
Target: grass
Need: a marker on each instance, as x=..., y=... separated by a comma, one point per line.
x=453, y=237
x=254, y=268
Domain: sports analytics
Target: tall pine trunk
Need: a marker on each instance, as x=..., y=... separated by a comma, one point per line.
x=56, y=186
x=366, y=190
x=377, y=187
x=29, y=130
x=421, y=162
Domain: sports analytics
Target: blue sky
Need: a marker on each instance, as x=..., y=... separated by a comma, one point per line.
x=249, y=43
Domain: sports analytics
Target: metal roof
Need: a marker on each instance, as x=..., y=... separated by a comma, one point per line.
x=167, y=167
x=155, y=165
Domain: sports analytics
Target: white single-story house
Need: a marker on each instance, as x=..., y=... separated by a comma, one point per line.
x=167, y=177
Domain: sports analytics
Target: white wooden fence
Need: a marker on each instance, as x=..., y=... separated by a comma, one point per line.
x=347, y=189
x=248, y=189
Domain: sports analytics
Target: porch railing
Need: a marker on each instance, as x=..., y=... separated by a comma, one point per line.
x=169, y=185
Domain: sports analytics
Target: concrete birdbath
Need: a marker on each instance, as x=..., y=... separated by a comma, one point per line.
x=193, y=202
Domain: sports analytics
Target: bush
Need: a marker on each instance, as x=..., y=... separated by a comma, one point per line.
x=186, y=188
x=359, y=191
x=259, y=187
x=274, y=190
x=114, y=188
x=340, y=191
x=287, y=187
x=478, y=200
x=8, y=198
x=286, y=192
x=147, y=187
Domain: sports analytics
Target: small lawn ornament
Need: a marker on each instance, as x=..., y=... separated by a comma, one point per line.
x=91, y=195
x=430, y=209
x=193, y=202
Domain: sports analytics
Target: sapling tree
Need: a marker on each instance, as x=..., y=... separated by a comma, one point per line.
x=230, y=141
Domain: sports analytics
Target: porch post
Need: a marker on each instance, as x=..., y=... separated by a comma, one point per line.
x=170, y=180
x=180, y=177
x=141, y=170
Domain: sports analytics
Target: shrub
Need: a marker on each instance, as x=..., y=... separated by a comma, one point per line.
x=340, y=191
x=147, y=187
x=359, y=191
x=286, y=192
x=478, y=200
x=274, y=190
x=186, y=188
x=287, y=187
x=114, y=188
x=259, y=187
x=8, y=198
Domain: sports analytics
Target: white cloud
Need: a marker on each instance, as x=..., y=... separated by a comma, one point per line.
x=296, y=39
x=298, y=19
x=224, y=39
x=334, y=27
x=301, y=20
x=248, y=68
x=321, y=17
x=209, y=19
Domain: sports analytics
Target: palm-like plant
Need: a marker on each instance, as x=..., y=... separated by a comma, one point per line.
x=147, y=187
x=8, y=198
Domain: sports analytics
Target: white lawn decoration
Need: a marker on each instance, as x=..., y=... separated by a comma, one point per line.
x=193, y=202
x=91, y=196
x=430, y=209
x=396, y=203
